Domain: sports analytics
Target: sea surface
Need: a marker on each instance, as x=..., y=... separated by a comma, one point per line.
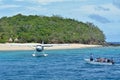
x=59, y=65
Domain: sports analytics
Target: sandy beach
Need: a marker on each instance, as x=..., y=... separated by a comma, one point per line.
x=29, y=46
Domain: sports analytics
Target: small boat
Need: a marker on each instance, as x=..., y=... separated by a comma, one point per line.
x=39, y=55
x=98, y=63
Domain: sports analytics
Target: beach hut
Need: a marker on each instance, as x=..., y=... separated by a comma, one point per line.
x=10, y=40
x=16, y=40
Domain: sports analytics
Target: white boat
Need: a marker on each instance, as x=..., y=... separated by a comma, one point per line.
x=98, y=63
x=39, y=55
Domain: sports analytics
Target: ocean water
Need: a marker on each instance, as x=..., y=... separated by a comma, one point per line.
x=59, y=65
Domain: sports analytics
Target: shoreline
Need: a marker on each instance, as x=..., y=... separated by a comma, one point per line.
x=24, y=46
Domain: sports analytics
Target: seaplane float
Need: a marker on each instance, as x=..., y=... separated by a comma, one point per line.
x=100, y=61
x=39, y=48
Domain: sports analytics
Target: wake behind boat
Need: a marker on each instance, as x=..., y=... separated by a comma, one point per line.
x=98, y=62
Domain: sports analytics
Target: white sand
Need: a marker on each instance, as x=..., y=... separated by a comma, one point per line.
x=26, y=46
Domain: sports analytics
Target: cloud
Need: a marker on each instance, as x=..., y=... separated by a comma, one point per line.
x=48, y=1
x=19, y=0
x=108, y=11
x=42, y=2
x=35, y=8
x=116, y=3
x=1, y=1
x=112, y=10
x=100, y=8
x=51, y=1
x=8, y=6
x=94, y=9
x=99, y=18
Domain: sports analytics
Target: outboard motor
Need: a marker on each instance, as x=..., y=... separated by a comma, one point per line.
x=39, y=48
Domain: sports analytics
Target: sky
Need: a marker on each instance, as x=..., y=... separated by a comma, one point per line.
x=103, y=13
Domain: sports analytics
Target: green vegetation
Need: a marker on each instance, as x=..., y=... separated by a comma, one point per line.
x=55, y=29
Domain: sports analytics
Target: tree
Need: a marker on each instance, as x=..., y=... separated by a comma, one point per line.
x=53, y=29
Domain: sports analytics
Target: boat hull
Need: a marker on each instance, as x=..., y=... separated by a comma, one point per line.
x=98, y=63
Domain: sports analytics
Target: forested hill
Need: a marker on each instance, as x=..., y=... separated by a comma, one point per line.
x=55, y=29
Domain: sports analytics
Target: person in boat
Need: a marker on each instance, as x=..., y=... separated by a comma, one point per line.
x=101, y=59
x=98, y=59
x=104, y=60
x=91, y=57
x=110, y=61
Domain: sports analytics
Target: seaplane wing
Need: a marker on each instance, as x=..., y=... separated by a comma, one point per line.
x=37, y=47
x=36, y=44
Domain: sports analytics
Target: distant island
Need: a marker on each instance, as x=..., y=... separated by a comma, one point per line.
x=113, y=43
x=55, y=29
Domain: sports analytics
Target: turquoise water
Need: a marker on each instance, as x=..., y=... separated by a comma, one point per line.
x=59, y=65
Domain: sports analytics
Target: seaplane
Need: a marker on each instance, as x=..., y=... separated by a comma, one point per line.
x=38, y=48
